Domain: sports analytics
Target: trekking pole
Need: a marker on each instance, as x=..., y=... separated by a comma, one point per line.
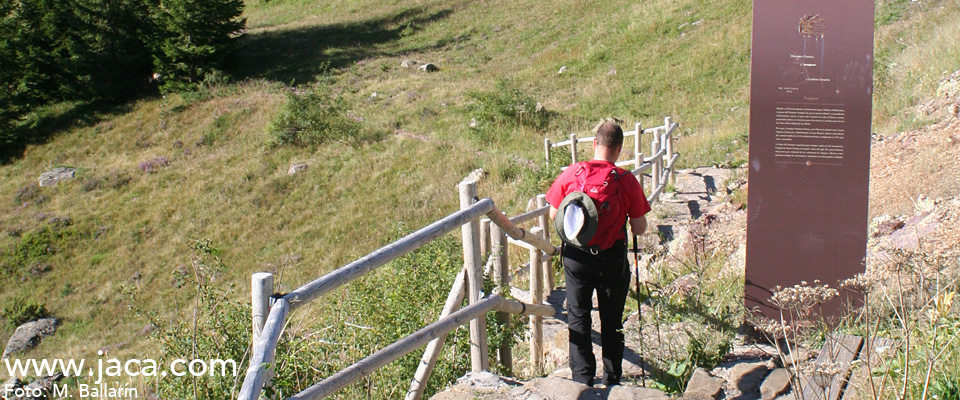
x=636, y=280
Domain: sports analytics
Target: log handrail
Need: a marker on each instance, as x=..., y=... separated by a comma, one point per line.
x=386, y=254
x=416, y=340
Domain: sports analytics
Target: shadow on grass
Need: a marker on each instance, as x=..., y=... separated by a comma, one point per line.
x=47, y=124
x=299, y=55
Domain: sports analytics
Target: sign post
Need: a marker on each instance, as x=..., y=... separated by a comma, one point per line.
x=810, y=112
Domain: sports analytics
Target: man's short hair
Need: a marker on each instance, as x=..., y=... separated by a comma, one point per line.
x=609, y=134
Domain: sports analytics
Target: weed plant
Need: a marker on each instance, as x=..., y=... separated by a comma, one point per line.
x=908, y=298
x=690, y=327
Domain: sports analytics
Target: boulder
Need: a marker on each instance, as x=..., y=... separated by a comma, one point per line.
x=29, y=335
x=633, y=393
x=704, y=384
x=776, y=383
x=562, y=389
x=483, y=381
x=10, y=384
x=886, y=225
x=56, y=175
x=408, y=64
x=562, y=70
x=428, y=67
x=44, y=384
x=296, y=168
x=746, y=377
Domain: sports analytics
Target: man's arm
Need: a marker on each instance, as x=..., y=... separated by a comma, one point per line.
x=553, y=213
x=638, y=225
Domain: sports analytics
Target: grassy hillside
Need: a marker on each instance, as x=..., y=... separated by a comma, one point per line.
x=216, y=175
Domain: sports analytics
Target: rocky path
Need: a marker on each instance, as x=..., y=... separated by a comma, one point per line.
x=698, y=192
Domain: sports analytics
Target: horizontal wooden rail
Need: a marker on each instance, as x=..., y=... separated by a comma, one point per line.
x=659, y=154
x=627, y=134
x=512, y=230
x=519, y=219
x=264, y=351
x=387, y=253
x=643, y=167
x=416, y=340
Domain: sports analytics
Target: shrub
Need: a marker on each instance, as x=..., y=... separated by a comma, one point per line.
x=30, y=193
x=313, y=118
x=154, y=165
x=19, y=310
x=506, y=105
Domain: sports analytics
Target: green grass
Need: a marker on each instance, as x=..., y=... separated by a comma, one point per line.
x=226, y=181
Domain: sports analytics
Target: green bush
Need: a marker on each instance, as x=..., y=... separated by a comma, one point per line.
x=506, y=106
x=313, y=118
x=19, y=310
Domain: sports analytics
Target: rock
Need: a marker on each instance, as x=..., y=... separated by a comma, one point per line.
x=408, y=64
x=29, y=335
x=296, y=168
x=702, y=383
x=913, y=232
x=562, y=70
x=612, y=72
x=57, y=175
x=633, y=393
x=923, y=204
x=44, y=384
x=746, y=377
x=562, y=389
x=473, y=123
x=775, y=384
x=428, y=67
x=483, y=381
x=10, y=384
x=886, y=225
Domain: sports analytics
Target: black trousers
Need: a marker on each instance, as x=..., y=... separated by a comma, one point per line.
x=606, y=272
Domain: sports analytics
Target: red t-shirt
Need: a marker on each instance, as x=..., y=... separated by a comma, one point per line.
x=610, y=230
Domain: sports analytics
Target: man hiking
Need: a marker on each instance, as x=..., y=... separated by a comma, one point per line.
x=598, y=261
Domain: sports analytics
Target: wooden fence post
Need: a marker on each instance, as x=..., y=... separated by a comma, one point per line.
x=260, y=292
x=547, y=261
x=471, y=259
x=655, y=168
x=573, y=147
x=638, y=152
x=432, y=353
x=666, y=126
x=484, y=238
x=536, y=296
x=665, y=159
x=502, y=275
x=546, y=150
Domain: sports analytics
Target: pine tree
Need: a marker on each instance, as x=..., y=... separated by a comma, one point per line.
x=117, y=33
x=194, y=39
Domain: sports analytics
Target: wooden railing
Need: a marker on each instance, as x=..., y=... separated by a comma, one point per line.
x=661, y=162
x=483, y=238
x=268, y=319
